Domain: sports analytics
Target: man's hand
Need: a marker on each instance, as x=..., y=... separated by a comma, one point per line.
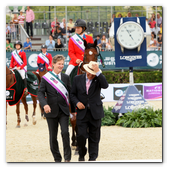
x=49, y=67
x=95, y=67
x=47, y=109
x=80, y=105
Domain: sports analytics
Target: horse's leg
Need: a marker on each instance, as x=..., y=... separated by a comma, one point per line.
x=34, y=99
x=18, y=115
x=73, y=138
x=26, y=109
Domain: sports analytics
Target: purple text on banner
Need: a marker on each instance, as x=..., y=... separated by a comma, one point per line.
x=153, y=92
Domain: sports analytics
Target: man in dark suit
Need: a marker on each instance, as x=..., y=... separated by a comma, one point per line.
x=85, y=94
x=56, y=106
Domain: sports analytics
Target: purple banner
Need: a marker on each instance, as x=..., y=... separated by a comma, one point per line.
x=153, y=92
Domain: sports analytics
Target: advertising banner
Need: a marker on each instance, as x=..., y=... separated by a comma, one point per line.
x=154, y=60
x=153, y=92
x=150, y=91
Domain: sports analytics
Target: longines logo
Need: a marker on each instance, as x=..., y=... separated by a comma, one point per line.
x=32, y=60
x=131, y=58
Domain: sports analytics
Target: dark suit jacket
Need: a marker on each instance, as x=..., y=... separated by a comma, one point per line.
x=78, y=94
x=54, y=99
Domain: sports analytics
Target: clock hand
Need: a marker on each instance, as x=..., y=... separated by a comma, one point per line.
x=129, y=34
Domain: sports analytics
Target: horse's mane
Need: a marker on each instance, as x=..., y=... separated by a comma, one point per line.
x=89, y=45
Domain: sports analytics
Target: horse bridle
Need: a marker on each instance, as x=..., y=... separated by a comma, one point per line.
x=84, y=62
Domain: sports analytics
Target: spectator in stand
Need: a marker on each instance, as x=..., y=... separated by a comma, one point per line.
x=8, y=29
x=21, y=18
x=59, y=44
x=137, y=15
x=159, y=19
x=63, y=22
x=99, y=41
x=9, y=45
x=53, y=31
x=153, y=16
x=120, y=16
x=70, y=26
x=16, y=21
x=152, y=24
x=29, y=20
x=153, y=43
x=104, y=41
x=160, y=41
x=53, y=24
x=129, y=14
x=13, y=30
x=112, y=19
x=27, y=45
x=57, y=31
x=50, y=43
x=108, y=45
x=63, y=32
x=160, y=28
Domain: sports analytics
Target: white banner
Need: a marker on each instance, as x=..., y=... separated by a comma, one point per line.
x=150, y=91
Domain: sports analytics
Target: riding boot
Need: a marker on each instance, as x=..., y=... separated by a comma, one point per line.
x=25, y=84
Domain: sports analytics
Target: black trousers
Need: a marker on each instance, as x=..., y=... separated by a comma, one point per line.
x=63, y=120
x=89, y=128
x=29, y=24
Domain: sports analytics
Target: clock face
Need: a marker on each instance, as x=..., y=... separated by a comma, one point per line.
x=130, y=35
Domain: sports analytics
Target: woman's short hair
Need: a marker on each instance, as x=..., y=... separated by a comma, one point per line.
x=57, y=58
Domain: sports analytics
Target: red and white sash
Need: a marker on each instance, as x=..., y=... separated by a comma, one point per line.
x=78, y=41
x=18, y=59
x=44, y=58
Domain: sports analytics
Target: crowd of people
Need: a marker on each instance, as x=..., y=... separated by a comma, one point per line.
x=60, y=30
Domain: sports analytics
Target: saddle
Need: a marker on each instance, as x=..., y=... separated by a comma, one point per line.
x=15, y=92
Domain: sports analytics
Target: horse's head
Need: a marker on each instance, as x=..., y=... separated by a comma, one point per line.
x=91, y=52
x=41, y=67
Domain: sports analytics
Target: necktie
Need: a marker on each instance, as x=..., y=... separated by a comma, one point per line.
x=87, y=85
x=58, y=78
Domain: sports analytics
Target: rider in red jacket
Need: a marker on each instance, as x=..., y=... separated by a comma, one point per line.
x=16, y=63
x=76, y=45
x=45, y=57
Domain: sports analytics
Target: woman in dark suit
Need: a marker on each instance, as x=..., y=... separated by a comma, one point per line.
x=56, y=106
x=85, y=94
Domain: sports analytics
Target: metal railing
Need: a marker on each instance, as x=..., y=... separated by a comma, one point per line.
x=13, y=32
x=23, y=34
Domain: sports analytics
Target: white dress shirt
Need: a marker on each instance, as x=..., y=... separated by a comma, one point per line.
x=59, y=75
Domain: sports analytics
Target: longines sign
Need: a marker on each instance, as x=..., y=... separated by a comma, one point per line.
x=154, y=60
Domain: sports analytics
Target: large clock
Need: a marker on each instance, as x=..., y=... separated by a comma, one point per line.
x=130, y=35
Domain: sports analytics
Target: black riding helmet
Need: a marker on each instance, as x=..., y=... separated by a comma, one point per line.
x=18, y=42
x=81, y=23
x=43, y=46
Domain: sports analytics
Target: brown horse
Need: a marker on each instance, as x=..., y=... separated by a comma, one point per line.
x=10, y=81
x=91, y=54
x=42, y=71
